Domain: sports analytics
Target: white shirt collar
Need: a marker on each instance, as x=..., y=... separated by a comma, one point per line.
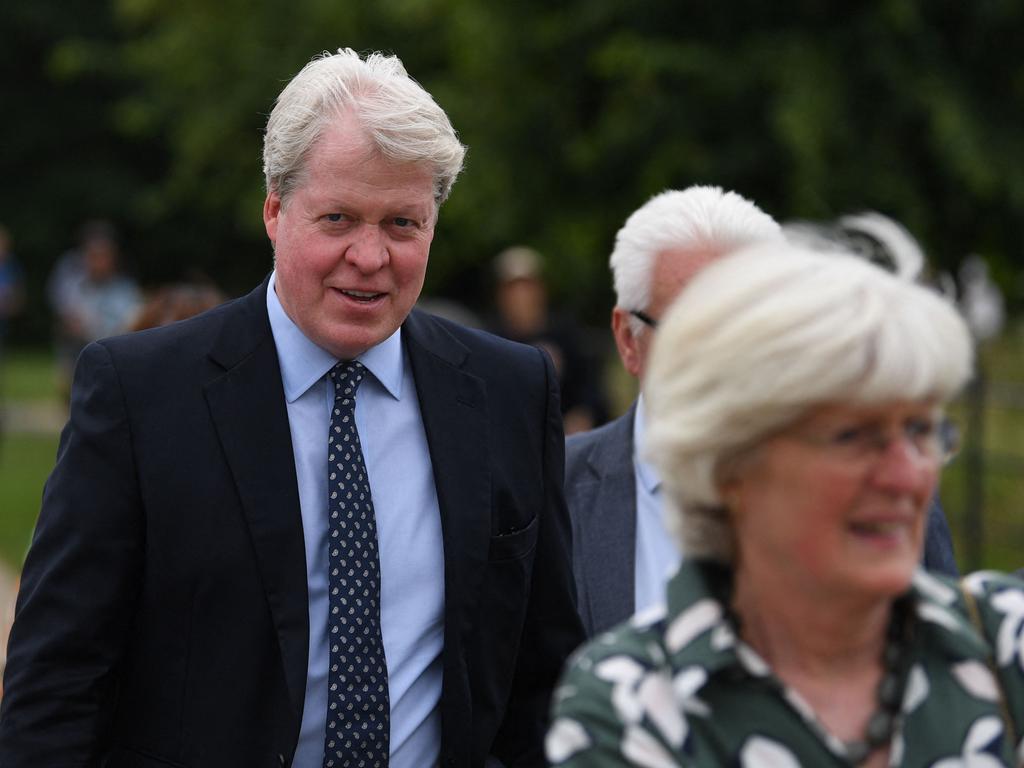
x=646, y=472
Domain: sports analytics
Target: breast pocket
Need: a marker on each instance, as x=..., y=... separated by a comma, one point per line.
x=513, y=545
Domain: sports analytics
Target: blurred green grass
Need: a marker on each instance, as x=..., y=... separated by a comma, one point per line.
x=27, y=375
x=1001, y=425
x=26, y=379
x=1002, y=459
x=25, y=462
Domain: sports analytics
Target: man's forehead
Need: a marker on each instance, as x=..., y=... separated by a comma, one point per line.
x=344, y=129
x=344, y=138
x=675, y=267
x=343, y=194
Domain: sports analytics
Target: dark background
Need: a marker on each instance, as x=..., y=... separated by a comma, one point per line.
x=150, y=112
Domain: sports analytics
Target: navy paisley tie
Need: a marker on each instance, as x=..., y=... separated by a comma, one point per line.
x=358, y=710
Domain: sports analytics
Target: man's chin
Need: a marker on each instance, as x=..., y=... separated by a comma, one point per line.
x=352, y=340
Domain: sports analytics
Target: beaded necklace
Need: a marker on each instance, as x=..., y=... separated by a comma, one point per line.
x=889, y=693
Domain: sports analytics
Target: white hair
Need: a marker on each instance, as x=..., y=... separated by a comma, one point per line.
x=402, y=120
x=697, y=219
x=762, y=337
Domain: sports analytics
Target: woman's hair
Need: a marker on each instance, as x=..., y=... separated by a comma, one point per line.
x=402, y=120
x=758, y=339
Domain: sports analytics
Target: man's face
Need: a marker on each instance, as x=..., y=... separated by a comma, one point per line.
x=100, y=259
x=351, y=242
x=673, y=269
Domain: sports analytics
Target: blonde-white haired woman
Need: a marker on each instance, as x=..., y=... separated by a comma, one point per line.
x=796, y=417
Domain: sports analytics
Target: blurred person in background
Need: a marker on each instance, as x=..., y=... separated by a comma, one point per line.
x=12, y=291
x=524, y=314
x=884, y=241
x=12, y=299
x=795, y=411
x=622, y=552
x=311, y=527
x=179, y=301
x=90, y=296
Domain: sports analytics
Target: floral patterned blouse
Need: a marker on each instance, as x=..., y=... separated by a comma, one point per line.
x=675, y=687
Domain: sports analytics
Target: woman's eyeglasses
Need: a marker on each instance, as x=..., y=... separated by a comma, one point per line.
x=936, y=439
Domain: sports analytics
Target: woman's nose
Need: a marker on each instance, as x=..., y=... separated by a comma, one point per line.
x=903, y=467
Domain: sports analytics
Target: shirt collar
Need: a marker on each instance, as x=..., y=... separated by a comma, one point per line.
x=646, y=472
x=304, y=363
x=697, y=629
x=941, y=619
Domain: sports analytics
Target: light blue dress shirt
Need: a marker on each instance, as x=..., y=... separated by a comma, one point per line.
x=657, y=556
x=408, y=533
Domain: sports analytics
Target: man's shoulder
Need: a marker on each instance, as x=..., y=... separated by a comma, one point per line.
x=487, y=349
x=582, y=444
x=189, y=339
x=609, y=431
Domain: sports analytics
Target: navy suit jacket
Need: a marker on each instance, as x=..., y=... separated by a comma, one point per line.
x=163, y=614
x=600, y=488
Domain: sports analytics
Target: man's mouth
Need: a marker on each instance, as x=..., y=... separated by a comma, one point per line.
x=365, y=296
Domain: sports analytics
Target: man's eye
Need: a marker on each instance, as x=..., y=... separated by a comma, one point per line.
x=338, y=218
x=400, y=221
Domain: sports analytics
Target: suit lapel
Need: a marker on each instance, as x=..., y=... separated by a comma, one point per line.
x=453, y=404
x=247, y=405
x=607, y=533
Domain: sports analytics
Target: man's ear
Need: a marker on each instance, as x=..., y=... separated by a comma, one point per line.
x=626, y=342
x=271, y=213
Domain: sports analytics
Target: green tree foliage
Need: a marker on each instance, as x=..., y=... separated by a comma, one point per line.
x=575, y=112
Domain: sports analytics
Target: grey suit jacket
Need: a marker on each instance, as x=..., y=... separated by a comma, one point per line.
x=600, y=488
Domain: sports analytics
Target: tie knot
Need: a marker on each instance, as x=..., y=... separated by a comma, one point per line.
x=347, y=376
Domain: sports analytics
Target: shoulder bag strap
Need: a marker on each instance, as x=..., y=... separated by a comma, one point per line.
x=975, y=616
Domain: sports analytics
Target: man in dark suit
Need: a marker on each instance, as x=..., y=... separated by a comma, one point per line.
x=236, y=566
x=621, y=550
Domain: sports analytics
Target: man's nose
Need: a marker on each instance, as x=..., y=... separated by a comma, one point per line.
x=368, y=251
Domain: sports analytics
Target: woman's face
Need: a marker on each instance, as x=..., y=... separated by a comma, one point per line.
x=837, y=503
